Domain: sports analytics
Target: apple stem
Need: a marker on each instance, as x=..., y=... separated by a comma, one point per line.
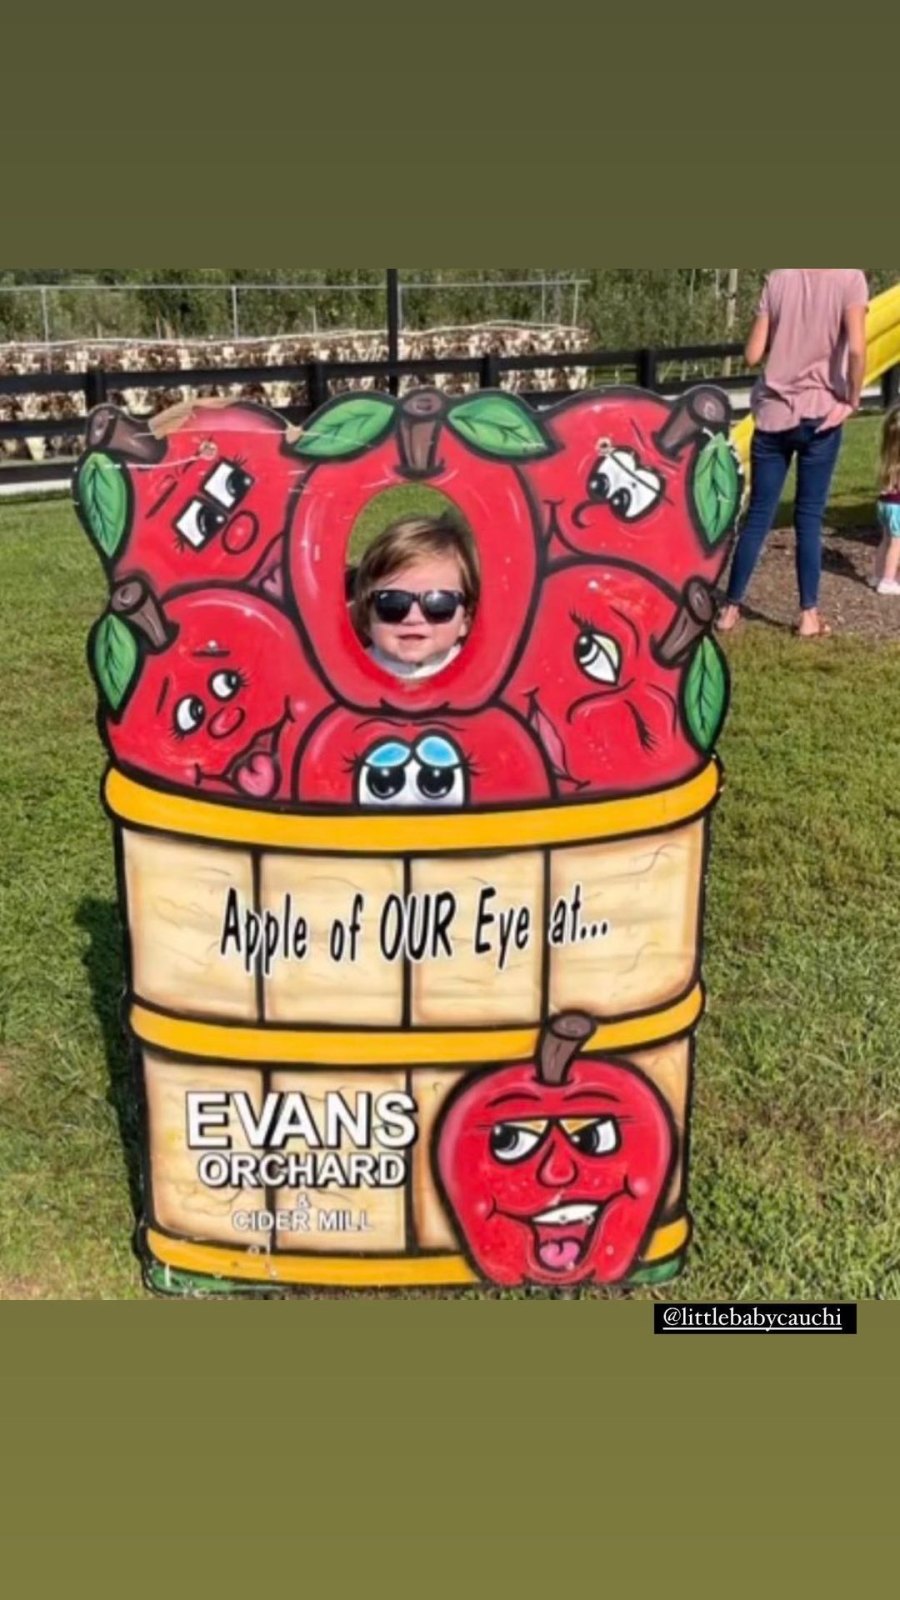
x=701, y=410
x=561, y=1040
x=418, y=431
x=108, y=428
x=134, y=600
x=692, y=619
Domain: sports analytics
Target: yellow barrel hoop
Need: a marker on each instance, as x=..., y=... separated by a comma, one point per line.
x=580, y=822
x=317, y=1047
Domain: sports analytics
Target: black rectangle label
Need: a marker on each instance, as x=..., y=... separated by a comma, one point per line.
x=735, y=1317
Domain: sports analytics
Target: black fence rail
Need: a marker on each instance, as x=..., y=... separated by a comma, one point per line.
x=668, y=370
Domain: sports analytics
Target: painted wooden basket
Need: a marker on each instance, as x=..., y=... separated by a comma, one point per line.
x=202, y=1016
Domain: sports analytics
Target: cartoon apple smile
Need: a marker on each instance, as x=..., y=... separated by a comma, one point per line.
x=562, y=1234
x=555, y=1168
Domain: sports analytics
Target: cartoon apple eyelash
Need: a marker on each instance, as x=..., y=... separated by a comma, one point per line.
x=583, y=623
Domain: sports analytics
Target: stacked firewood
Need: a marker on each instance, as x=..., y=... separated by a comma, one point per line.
x=505, y=339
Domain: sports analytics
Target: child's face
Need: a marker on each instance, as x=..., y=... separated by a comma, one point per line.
x=415, y=639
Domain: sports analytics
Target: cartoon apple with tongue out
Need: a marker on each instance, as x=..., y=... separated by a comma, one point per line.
x=211, y=691
x=555, y=1168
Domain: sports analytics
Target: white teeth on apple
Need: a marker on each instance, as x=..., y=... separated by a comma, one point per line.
x=582, y=1212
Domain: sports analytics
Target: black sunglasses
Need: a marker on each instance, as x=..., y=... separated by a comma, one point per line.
x=437, y=605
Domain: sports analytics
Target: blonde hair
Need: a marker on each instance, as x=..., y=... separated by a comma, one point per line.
x=406, y=541
x=889, y=467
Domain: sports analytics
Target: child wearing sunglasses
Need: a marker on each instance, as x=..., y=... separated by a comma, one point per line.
x=415, y=594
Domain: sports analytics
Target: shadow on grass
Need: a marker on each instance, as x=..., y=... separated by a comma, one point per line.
x=855, y=519
x=106, y=972
x=852, y=519
x=839, y=562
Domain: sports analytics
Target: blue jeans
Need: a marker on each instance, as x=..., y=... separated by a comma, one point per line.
x=770, y=458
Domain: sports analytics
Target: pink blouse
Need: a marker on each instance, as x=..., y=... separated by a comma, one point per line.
x=806, y=364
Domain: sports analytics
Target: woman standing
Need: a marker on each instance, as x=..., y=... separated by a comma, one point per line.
x=810, y=326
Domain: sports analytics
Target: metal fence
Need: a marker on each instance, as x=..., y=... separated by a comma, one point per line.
x=55, y=311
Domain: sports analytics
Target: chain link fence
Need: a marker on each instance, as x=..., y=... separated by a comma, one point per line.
x=52, y=313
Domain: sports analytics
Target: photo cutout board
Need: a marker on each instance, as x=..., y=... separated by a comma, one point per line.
x=410, y=716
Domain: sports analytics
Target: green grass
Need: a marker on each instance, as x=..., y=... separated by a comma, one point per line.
x=794, y=1179
x=407, y=500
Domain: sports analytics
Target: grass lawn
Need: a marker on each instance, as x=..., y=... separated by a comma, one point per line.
x=795, y=1181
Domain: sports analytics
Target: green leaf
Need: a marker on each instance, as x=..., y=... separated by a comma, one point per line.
x=345, y=425
x=500, y=425
x=102, y=492
x=115, y=658
x=717, y=487
x=706, y=693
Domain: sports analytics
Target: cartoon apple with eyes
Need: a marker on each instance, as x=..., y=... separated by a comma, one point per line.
x=487, y=759
x=197, y=495
x=467, y=448
x=641, y=479
x=211, y=691
x=555, y=1168
x=617, y=682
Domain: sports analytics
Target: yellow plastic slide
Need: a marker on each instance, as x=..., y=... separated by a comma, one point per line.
x=882, y=351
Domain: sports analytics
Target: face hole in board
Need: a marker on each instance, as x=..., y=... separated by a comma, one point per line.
x=413, y=579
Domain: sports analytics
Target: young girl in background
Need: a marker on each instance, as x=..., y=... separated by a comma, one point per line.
x=887, y=556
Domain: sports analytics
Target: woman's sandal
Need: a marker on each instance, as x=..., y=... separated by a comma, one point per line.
x=823, y=631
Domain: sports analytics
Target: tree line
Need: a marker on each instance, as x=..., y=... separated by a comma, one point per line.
x=618, y=306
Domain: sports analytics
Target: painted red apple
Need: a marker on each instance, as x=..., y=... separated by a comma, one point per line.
x=489, y=758
x=197, y=495
x=466, y=448
x=211, y=691
x=641, y=479
x=555, y=1168
x=602, y=679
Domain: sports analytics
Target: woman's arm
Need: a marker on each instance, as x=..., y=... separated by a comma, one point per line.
x=855, y=329
x=756, y=345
